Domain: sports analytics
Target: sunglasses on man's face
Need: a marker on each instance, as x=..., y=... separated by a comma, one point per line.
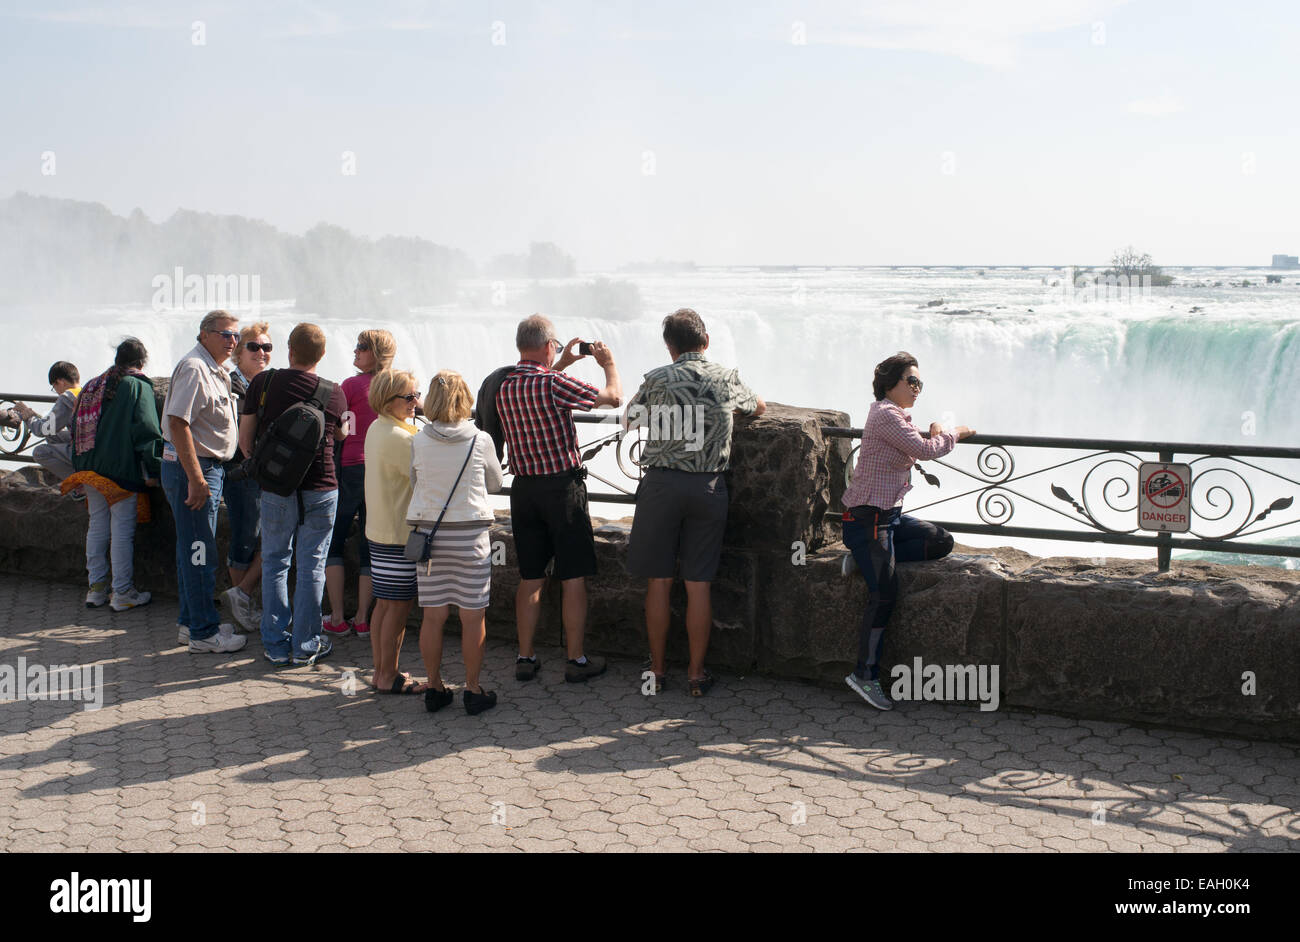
x=227, y=334
x=252, y=347
x=915, y=383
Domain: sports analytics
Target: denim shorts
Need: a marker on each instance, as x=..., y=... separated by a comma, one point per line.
x=244, y=509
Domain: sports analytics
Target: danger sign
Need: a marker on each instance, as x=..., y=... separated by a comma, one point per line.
x=1165, y=497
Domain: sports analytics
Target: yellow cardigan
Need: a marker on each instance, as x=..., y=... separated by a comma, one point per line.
x=388, y=480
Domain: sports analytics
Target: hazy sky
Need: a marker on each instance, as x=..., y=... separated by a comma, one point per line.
x=919, y=131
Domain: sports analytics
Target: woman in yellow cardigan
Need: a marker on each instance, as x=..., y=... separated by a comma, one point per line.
x=393, y=396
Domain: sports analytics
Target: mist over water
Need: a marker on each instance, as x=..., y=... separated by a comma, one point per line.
x=1027, y=360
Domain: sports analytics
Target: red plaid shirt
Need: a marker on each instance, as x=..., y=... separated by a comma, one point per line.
x=890, y=445
x=535, y=406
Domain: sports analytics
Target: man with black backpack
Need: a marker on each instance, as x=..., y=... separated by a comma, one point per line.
x=290, y=422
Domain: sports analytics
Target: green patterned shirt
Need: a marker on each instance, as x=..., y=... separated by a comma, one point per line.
x=686, y=408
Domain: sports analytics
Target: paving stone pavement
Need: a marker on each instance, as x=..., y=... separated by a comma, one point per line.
x=197, y=752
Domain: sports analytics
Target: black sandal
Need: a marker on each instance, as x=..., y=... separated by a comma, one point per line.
x=699, y=686
x=402, y=685
x=435, y=699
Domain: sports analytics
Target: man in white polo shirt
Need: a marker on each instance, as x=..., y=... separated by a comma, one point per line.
x=200, y=431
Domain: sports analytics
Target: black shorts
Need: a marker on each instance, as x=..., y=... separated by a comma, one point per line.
x=678, y=513
x=549, y=518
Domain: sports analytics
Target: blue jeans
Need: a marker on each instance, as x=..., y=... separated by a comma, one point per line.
x=196, y=546
x=878, y=539
x=243, y=508
x=110, y=530
x=352, y=503
x=285, y=632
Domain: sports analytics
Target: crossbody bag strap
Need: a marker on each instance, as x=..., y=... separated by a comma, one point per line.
x=428, y=539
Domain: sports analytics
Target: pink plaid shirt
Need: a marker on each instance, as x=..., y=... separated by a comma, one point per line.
x=890, y=445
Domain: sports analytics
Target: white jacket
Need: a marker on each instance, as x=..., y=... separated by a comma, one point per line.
x=436, y=456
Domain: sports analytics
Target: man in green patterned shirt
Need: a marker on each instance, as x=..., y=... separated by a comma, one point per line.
x=681, y=505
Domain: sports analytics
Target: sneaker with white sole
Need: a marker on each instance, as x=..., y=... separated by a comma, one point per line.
x=314, y=650
x=240, y=605
x=335, y=629
x=97, y=595
x=134, y=598
x=871, y=691
x=225, y=641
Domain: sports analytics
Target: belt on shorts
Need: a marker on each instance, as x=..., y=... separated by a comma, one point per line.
x=578, y=474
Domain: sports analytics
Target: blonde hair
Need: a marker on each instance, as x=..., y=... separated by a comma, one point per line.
x=449, y=399
x=385, y=385
x=252, y=330
x=306, y=345
x=382, y=345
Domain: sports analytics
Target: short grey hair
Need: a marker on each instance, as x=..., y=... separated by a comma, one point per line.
x=213, y=318
x=533, y=332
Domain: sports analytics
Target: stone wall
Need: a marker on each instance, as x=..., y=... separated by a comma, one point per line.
x=1116, y=642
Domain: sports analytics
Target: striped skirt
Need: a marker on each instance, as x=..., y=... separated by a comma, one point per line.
x=459, y=569
x=391, y=574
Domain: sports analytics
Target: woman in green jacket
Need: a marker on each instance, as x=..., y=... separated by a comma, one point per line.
x=117, y=447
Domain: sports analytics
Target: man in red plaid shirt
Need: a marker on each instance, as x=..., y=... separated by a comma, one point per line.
x=548, y=493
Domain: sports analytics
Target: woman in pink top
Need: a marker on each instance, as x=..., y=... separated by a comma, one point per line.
x=875, y=528
x=374, y=352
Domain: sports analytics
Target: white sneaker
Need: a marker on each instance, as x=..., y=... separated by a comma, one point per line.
x=182, y=635
x=225, y=641
x=134, y=598
x=241, y=608
x=97, y=595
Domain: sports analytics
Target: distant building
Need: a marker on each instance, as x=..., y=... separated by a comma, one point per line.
x=1286, y=261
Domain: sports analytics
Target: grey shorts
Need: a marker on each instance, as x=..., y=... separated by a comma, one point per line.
x=678, y=514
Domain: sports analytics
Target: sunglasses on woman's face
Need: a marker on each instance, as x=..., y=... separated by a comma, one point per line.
x=252, y=347
x=409, y=397
x=362, y=348
x=915, y=383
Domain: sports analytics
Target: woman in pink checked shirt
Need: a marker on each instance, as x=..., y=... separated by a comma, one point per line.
x=875, y=529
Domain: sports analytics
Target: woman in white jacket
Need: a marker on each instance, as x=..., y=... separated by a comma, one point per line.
x=453, y=469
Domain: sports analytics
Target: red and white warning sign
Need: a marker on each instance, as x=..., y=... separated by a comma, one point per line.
x=1165, y=497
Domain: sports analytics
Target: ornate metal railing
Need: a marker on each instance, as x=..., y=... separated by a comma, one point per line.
x=1098, y=492
x=14, y=441
x=626, y=449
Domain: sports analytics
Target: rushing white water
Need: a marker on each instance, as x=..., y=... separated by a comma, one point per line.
x=1187, y=363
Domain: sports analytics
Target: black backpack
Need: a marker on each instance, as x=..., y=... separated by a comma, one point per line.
x=286, y=449
x=485, y=408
